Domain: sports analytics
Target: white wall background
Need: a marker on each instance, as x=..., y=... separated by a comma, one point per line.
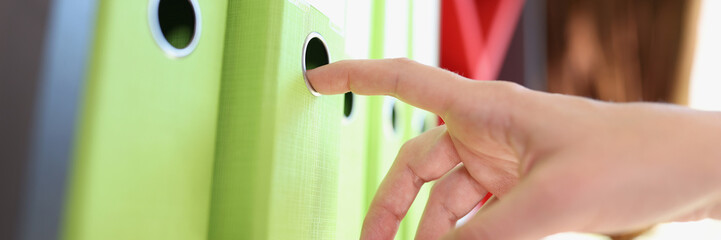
x=705, y=87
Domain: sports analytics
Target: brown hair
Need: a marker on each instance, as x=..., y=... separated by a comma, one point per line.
x=618, y=50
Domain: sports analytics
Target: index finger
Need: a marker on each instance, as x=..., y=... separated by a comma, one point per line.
x=423, y=86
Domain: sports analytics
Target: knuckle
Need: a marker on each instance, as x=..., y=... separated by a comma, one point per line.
x=500, y=99
x=408, y=145
x=437, y=190
x=402, y=61
x=438, y=195
x=509, y=91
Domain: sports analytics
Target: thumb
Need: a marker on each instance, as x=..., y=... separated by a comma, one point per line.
x=532, y=210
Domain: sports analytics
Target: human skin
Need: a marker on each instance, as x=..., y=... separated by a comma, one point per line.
x=556, y=163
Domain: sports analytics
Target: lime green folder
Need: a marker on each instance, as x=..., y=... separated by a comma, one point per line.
x=276, y=168
x=144, y=160
x=352, y=167
x=423, y=46
x=374, y=175
x=419, y=42
x=354, y=130
x=389, y=119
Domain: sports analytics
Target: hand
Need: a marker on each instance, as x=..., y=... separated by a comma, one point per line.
x=556, y=163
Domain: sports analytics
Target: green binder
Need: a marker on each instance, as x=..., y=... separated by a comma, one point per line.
x=276, y=167
x=388, y=117
x=354, y=130
x=423, y=46
x=144, y=159
x=352, y=167
x=375, y=103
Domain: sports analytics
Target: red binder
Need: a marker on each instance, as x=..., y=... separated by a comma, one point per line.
x=475, y=35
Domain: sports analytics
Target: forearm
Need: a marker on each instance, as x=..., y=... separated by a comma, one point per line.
x=674, y=147
x=689, y=142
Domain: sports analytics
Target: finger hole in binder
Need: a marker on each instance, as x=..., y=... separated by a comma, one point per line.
x=348, y=106
x=175, y=25
x=315, y=54
x=391, y=117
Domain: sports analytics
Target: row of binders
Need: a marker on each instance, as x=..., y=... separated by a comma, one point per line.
x=193, y=120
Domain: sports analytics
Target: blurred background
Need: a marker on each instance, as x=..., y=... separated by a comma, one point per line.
x=613, y=50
